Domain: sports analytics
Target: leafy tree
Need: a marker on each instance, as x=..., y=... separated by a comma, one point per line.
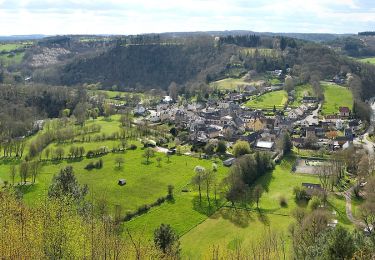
x=257, y=193
x=148, y=153
x=198, y=179
x=221, y=147
x=241, y=148
x=170, y=192
x=119, y=160
x=158, y=159
x=13, y=172
x=339, y=244
x=166, y=239
x=24, y=171
x=65, y=184
x=234, y=188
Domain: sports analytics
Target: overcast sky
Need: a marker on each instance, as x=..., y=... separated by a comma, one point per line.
x=146, y=16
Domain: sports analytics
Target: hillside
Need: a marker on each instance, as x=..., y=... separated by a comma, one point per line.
x=150, y=66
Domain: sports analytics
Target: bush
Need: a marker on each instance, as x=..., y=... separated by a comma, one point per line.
x=170, y=192
x=133, y=147
x=90, y=166
x=300, y=193
x=283, y=201
x=314, y=203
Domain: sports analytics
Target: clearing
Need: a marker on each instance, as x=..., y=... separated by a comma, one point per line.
x=268, y=100
x=336, y=96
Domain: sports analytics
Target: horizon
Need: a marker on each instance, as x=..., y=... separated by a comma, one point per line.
x=115, y=17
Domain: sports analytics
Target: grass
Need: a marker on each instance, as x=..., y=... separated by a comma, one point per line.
x=229, y=83
x=268, y=100
x=10, y=46
x=146, y=183
x=10, y=59
x=300, y=92
x=248, y=226
x=336, y=96
x=370, y=60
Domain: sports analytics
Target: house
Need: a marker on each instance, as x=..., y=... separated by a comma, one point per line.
x=229, y=162
x=310, y=132
x=121, y=182
x=304, y=108
x=309, y=99
x=139, y=110
x=226, y=120
x=331, y=118
x=250, y=90
x=264, y=145
x=213, y=131
x=295, y=114
x=344, y=111
x=256, y=123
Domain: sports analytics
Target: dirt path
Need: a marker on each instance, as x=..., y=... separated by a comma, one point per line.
x=348, y=206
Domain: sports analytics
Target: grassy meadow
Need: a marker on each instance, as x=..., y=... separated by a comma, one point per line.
x=247, y=226
x=229, y=83
x=268, y=100
x=300, y=92
x=336, y=96
x=370, y=60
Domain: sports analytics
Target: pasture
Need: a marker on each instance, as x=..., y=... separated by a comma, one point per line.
x=146, y=182
x=10, y=46
x=370, y=60
x=268, y=100
x=300, y=92
x=246, y=226
x=229, y=84
x=336, y=96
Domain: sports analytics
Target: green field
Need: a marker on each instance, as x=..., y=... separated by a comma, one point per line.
x=146, y=183
x=10, y=59
x=10, y=46
x=228, y=84
x=268, y=100
x=248, y=226
x=370, y=60
x=336, y=96
x=300, y=92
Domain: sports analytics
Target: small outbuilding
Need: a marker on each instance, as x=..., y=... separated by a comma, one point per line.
x=121, y=182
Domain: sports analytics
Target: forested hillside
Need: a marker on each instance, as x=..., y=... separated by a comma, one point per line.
x=148, y=65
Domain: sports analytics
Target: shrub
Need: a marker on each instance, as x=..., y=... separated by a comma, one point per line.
x=300, y=193
x=170, y=192
x=133, y=147
x=314, y=203
x=283, y=201
x=90, y=166
x=90, y=154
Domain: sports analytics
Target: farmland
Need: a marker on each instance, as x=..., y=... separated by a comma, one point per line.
x=335, y=97
x=268, y=100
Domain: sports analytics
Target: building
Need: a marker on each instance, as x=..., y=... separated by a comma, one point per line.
x=344, y=111
x=265, y=145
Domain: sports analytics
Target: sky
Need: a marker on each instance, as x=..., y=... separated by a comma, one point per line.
x=50, y=17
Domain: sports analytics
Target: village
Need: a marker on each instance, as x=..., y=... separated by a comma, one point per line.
x=230, y=119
